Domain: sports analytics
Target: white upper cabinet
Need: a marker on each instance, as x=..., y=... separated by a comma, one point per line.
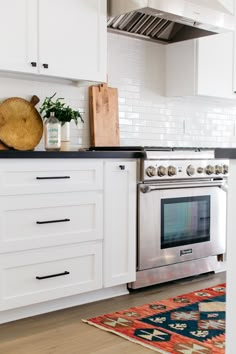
x=18, y=35
x=229, y=5
x=234, y=66
x=201, y=67
x=72, y=39
x=60, y=38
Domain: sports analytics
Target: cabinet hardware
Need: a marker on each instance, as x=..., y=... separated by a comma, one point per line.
x=45, y=66
x=55, y=177
x=33, y=63
x=122, y=167
x=52, y=221
x=52, y=275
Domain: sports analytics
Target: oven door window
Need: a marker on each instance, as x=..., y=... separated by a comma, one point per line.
x=185, y=221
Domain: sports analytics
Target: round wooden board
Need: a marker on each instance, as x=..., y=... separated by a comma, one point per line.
x=21, y=126
x=3, y=146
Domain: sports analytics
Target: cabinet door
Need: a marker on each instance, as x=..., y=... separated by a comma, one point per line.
x=120, y=222
x=18, y=35
x=234, y=65
x=44, y=220
x=40, y=176
x=50, y=273
x=215, y=65
x=228, y=5
x=201, y=66
x=72, y=39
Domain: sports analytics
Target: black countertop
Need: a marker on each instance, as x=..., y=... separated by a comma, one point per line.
x=13, y=154
x=121, y=152
x=225, y=153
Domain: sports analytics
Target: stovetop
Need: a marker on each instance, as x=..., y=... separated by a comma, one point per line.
x=160, y=152
x=165, y=163
x=146, y=148
x=116, y=148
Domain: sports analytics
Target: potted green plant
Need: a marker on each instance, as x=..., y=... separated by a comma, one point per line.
x=64, y=113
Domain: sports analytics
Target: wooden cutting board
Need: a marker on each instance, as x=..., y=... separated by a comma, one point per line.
x=104, y=120
x=21, y=126
x=3, y=146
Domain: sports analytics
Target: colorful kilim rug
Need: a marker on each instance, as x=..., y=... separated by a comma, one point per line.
x=192, y=323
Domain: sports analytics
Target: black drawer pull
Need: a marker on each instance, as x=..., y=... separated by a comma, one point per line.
x=51, y=221
x=122, y=167
x=45, y=65
x=53, y=275
x=33, y=63
x=56, y=177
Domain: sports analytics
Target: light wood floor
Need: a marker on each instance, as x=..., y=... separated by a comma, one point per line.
x=63, y=332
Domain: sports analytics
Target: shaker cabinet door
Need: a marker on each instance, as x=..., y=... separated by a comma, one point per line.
x=228, y=5
x=31, y=277
x=18, y=34
x=215, y=66
x=72, y=39
x=120, y=222
x=201, y=67
x=59, y=38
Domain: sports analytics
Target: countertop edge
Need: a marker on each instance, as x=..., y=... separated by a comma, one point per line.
x=12, y=154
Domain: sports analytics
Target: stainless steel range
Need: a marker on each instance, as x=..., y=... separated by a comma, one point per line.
x=181, y=220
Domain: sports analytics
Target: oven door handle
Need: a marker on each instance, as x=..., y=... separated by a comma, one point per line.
x=155, y=187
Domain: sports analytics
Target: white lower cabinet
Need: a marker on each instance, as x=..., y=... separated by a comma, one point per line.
x=50, y=273
x=23, y=176
x=120, y=222
x=67, y=229
x=44, y=220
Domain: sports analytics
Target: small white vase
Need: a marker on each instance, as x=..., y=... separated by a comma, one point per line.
x=65, y=131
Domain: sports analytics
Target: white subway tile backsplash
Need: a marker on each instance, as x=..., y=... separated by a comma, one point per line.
x=125, y=108
x=146, y=116
x=124, y=122
x=121, y=100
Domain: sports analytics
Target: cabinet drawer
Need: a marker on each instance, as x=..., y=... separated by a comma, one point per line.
x=32, y=221
x=36, y=276
x=27, y=176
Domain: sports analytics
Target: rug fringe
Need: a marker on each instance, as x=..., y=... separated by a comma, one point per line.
x=159, y=351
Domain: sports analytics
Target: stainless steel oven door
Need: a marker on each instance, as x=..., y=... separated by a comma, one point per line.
x=178, y=223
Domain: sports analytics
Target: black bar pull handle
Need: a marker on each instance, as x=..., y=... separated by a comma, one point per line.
x=122, y=167
x=52, y=275
x=52, y=221
x=54, y=177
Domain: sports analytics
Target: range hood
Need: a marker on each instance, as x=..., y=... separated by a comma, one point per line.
x=168, y=21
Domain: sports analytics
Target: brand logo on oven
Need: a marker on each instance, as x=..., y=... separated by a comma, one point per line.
x=187, y=251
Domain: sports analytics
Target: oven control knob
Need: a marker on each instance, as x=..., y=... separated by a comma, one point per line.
x=161, y=171
x=171, y=171
x=190, y=170
x=200, y=170
x=210, y=170
x=150, y=171
x=218, y=169
x=225, y=169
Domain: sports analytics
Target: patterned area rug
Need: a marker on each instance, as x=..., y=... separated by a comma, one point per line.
x=192, y=323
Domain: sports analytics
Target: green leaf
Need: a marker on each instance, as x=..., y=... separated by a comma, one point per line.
x=62, y=112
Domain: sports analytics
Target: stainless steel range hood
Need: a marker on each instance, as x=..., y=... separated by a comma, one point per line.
x=168, y=21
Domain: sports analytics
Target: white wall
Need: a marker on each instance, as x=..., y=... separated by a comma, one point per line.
x=147, y=117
